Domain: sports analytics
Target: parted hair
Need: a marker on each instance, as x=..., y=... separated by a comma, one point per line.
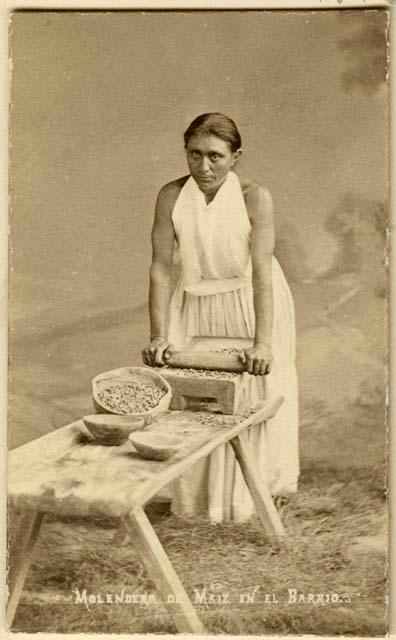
x=216, y=124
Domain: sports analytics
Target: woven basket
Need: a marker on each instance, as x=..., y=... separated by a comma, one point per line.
x=139, y=375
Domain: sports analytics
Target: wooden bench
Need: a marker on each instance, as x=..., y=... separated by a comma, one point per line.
x=67, y=473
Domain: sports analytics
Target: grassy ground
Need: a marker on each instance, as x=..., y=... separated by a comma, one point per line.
x=335, y=545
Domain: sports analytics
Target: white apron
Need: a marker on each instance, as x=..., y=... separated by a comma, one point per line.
x=214, y=297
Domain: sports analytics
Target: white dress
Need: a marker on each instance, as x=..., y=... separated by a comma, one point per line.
x=214, y=297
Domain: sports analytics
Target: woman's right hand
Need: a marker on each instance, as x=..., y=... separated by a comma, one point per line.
x=158, y=352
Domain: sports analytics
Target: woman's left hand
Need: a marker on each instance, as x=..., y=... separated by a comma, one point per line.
x=258, y=359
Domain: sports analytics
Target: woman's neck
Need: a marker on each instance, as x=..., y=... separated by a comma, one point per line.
x=210, y=194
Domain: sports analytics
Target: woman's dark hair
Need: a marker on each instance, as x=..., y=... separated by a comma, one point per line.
x=216, y=124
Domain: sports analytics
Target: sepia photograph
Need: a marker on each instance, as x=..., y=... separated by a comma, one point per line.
x=198, y=294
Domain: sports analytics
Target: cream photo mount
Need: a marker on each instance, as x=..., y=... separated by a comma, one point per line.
x=98, y=6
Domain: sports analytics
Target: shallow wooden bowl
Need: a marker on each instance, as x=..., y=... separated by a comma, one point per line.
x=142, y=375
x=110, y=429
x=155, y=446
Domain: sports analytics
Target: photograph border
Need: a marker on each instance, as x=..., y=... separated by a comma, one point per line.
x=175, y=5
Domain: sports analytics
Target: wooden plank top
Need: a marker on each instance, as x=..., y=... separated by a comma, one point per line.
x=68, y=473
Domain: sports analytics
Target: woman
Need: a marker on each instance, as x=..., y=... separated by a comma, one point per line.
x=230, y=285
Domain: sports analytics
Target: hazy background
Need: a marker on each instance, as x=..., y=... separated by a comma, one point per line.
x=99, y=105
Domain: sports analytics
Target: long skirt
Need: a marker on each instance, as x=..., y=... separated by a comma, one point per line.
x=215, y=487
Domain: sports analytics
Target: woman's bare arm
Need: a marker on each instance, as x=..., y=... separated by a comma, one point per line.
x=162, y=238
x=260, y=210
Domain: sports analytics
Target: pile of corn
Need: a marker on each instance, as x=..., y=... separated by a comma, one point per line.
x=130, y=397
x=204, y=373
x=231, y=350
x=203, y=417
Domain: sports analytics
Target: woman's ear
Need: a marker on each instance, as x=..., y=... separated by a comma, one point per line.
x=237, y=155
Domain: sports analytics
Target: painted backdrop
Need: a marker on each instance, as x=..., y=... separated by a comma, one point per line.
x=99, y=105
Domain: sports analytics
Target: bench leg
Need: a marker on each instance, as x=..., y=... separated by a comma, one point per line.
x=162, y=572
x=259, y=491
x=121, y=536
x=20, y=555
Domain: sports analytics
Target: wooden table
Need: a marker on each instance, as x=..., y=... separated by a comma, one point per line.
x=66, y=473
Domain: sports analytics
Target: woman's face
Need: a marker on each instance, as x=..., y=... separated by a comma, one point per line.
x=209, y=159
